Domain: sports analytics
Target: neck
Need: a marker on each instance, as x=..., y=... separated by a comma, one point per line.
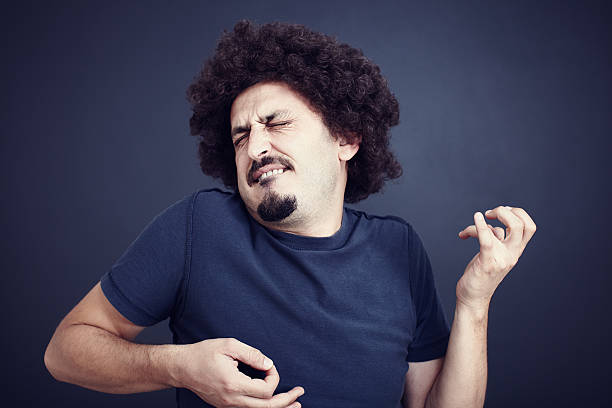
x=314, y=226
x=323, y=221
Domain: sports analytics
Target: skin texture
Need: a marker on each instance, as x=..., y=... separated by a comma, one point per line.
x=299, y=138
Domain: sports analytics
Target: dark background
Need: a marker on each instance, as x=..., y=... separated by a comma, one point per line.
x=501, y=103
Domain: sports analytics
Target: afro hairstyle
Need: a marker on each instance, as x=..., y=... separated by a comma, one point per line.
x=344, y=87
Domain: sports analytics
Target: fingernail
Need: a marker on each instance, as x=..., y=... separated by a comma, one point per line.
x=488, y=212
x=268, y=363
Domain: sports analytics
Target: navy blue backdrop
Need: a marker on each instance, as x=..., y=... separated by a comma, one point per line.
x=501, y=103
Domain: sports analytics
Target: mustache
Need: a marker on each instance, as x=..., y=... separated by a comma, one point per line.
x=264, y=162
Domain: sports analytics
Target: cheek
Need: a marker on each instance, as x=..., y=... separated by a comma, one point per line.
x=325, y=155
x=240, y=168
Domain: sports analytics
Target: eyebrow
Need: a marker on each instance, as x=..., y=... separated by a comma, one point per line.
x=281, y=113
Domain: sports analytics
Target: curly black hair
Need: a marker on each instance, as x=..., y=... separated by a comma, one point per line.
x=342, y=85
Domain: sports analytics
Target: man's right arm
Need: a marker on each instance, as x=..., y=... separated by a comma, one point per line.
x=92, y=347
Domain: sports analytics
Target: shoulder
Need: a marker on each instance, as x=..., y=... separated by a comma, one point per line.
x=183, y=209
x=214, y=197
x=383, y=223
x=213, y=194
x=215, y=203
x=385, y=229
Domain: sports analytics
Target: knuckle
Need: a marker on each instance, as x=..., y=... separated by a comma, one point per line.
x=230, y=342
x=227, y=386
x=267, y=393
x=486, y=245
x=255, y=354
x=225, y=400
x=233, y=388
x=279, y=400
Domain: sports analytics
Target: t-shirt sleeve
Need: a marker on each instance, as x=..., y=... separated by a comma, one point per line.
x=432, y=330
x=144, y=283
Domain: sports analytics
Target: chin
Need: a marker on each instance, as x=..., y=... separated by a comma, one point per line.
x=276, y=207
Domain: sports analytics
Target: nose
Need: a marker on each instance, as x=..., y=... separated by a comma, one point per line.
x=259, y=143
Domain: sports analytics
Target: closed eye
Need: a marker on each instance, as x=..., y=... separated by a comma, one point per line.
x=277, y=124
x=239, y=139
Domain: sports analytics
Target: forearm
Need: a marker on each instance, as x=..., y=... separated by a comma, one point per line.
x=94, y=358
x=462, y=382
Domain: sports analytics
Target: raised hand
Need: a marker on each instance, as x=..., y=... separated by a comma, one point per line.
x=210, y=369
x=498, y=254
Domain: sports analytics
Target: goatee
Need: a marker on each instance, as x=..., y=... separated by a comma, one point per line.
x=275, y=207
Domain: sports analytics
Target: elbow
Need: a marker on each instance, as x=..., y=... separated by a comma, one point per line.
x=51, y=360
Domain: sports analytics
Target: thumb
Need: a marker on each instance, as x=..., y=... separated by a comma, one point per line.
x=248, y=355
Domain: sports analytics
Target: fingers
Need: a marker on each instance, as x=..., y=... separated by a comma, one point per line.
x=247, y=354
x=485, y=236
x=520, y=226
x=272, y=378
x=253, y=387
x=221, y=384
x=283, y=400
x=499, y=232
x=258, y=388
x=514, y=225
x=471, y=232
x=529, y=225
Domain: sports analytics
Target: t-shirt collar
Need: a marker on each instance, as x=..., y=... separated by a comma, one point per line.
x=302, y=242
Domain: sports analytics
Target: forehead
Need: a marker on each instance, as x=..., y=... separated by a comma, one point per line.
x=263, y=98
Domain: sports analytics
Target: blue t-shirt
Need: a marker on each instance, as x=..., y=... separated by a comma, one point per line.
x=341, y=316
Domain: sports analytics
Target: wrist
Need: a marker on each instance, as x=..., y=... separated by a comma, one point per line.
x=476, y=311
x=164, y=362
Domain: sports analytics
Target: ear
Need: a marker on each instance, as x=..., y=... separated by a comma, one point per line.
x=346, y=149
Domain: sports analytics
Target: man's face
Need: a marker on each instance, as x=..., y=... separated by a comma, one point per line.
x=287, y=162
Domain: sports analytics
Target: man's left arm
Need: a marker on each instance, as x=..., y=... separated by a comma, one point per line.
x=462, y=380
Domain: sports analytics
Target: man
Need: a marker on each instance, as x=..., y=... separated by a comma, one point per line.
x=277, y=292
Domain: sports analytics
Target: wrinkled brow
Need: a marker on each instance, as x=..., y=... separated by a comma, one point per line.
x=277, y=114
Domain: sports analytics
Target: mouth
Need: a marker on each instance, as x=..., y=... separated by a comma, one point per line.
x=267, y=169
x=267, y=177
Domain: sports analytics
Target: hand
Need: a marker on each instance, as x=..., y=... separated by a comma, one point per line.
x=209, y=368
x=497, y=255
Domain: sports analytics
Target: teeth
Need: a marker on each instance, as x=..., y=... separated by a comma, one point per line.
x=270, y=173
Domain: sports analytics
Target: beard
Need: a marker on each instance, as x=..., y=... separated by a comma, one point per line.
x=275, y=207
